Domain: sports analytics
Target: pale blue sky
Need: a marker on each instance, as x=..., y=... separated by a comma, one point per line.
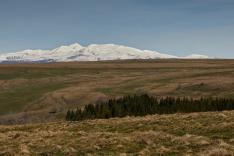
x=178, y=27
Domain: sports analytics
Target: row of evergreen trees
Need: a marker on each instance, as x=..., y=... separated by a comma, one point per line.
x=144, y=105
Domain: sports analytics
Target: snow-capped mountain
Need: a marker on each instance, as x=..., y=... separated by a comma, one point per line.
x=196, y=56
x=93, y=52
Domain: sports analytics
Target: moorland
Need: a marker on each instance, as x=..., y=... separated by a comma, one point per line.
x=32, y=93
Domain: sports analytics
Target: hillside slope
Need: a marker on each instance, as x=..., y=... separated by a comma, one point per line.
x=203, y=134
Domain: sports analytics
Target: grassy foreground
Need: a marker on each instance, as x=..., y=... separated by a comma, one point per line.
x=178, y=134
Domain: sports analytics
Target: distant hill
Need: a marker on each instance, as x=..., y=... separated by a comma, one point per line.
x=93, y=52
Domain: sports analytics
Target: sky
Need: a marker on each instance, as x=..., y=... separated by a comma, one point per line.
x=177, y=27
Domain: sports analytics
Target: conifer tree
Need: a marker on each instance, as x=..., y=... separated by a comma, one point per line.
x=144, y=104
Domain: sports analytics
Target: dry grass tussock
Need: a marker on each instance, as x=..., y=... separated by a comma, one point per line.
x=177, y=134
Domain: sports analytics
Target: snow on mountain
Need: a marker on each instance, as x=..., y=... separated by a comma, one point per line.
x=93, y=52
x=160, y=55
x=25, y=56
x=114, y=52
x=196, y=56
x=61, y=54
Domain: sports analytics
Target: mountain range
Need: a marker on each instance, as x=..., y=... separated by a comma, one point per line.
x=93, y=52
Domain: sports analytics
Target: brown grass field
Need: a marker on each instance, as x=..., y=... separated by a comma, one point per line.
x=43, y=92
x=199, y=134
x=35, y=97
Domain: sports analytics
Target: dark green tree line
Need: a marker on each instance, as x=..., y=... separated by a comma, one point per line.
x=145, y=105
